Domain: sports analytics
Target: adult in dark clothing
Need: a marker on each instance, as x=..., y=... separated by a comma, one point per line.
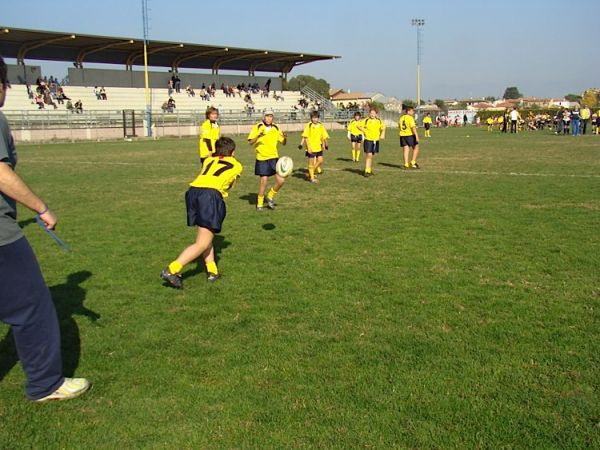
x=25, y=302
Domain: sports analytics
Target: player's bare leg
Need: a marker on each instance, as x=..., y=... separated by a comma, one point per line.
x=413, y=162
x=318, y=164
x=406, y=150
x=368, y=164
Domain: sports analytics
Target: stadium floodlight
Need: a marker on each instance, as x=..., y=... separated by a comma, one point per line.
x=419, y=23
x=147, y=84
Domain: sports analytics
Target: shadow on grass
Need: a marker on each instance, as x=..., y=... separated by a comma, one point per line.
x=219, y=243
x=395, y=166
x=356, y=171
x=68, y=300
x=300, y=173
x=344, y=159
x=252, y=198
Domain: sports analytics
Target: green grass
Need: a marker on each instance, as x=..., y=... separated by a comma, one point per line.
x=455, y=306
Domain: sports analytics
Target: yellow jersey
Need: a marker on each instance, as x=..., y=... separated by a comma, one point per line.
x=406, y=125
x=353, y=127
x=315, y=134
x=490, y=121
x=266, y=145
x=219, y=173
x=373, y=128
x=208, y=130
x=427, y=119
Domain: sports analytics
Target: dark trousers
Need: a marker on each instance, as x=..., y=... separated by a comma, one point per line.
x=513, y=126
x=584, y=124
x=26, y=305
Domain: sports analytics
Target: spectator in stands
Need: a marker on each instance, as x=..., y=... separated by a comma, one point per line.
x=190, y=91
x=103, y=93
x=204, y=95
x=177, y=83
x=78, y=107
x=170, y=87
x=39, y=100
x=268, y=86
x=70, y=106
x=171, y=105
x=97, y=93
x=48, y=99
x=61, y=97
x=29, y=92
x=164, y=107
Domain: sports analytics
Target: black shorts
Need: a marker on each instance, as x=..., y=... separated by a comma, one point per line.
x=427, y=126
x=356, y=138
x=410, y=141
x=371, y=146
x=265, y=168
x=205, y=208
x=313, y=154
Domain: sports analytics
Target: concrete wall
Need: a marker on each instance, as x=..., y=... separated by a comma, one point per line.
x=100, y=134
x=23, y=74
x=135, y=78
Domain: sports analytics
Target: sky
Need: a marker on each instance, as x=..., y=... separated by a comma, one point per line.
x=547, y=48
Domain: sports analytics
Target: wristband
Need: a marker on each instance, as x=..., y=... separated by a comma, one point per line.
x=44, y=211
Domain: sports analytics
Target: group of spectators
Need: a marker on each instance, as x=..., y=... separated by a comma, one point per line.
x=566, y=121
x=48, y=91
x=100, y=93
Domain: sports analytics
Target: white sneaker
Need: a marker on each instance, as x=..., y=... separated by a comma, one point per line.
x=71, y=388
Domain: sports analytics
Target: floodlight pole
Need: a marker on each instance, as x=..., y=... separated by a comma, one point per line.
x=419, y=23
x=147, y=84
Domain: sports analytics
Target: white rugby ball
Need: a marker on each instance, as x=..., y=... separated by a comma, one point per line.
x=284, y=166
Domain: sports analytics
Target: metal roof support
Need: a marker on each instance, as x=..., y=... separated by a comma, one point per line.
x=219, y=62
x=37, y=44
x=135, y=55
x=259, y=63
x=177, y=61
x=96, y=48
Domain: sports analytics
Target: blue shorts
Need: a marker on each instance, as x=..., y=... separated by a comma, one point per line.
x=265, y=168
x=314, y=154
x=410, y=141
x=205, y=208
x=371, y=146
x=356, y=138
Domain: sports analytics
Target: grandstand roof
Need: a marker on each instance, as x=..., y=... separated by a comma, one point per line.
x=21, y=43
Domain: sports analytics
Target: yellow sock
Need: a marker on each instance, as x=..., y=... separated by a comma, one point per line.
x=272, y=193
x=211, y=267
x=367, y=170
x=175, y=267
x=319, y=170
x=311, y=172
x=406, y=165
x=413, y=162
x=261, y=201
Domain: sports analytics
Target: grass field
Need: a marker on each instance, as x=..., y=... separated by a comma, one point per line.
x=453, y=307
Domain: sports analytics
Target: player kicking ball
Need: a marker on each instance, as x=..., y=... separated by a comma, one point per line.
x=315, y=138
x=206, y=210
x=409, y=138
x=265, y=137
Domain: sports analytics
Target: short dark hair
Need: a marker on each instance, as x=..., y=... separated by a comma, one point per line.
x=357, y=113
x=3, y=72
x=211, y=110
x=315, y=114
x=224, y=146
x=373, y=108
x=409, y=108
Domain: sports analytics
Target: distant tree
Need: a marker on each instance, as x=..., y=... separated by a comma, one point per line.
x=300, y=81
x=439, y=103
x=512, y=92
x=409, y=102
x=380, y=106
x=590, y=98
x=490, y=99
x=573, y=97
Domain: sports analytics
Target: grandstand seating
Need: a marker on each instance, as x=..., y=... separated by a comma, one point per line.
x=135, y=98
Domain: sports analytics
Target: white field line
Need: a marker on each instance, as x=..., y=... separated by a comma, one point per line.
x=377, y=169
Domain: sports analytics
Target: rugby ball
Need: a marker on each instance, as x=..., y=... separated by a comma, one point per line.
x=284, y=166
